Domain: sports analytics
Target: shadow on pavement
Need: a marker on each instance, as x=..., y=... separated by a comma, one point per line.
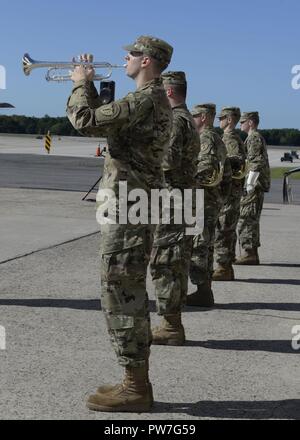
x=273, y=409
x=78, y=304
x=269, y=281
x=95, y=304
x=280, y=264
x=273, y=346
x=291, y=307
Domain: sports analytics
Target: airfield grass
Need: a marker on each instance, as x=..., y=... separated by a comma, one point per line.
x=278, y=173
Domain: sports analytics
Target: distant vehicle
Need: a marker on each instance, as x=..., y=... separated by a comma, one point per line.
x=39, y=137
x=287, y=157
x=295, y=154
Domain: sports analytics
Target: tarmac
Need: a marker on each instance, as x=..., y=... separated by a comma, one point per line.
x=239, y=362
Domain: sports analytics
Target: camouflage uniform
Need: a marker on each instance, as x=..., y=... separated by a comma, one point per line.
x=212, y=154
x=226, y=237
x=171, y=253
x=138, y=132
x=252, y=203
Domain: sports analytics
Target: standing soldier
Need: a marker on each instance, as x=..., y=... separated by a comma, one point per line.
x=138, y=129
x=212, y=168
x=226, y=238
x=257, y=183
x=171, y=247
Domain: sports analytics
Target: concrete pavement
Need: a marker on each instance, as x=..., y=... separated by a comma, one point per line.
x=238, y=362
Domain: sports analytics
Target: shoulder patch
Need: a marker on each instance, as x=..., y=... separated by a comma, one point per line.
x=111, y=111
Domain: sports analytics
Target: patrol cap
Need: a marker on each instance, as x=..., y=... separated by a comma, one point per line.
x=152, y=46
x=249, y=115
x=230, y=111
x=174, y=78
x=203, y=108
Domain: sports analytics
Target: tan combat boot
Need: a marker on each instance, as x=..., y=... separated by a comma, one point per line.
x=203, y=297
x=248, y=258
x=110, y=387
x=133, y=395
x=223, y=273
x=170, y=331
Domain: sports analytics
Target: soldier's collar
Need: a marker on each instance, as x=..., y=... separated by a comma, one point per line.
x=184, y=106
x=155, y=81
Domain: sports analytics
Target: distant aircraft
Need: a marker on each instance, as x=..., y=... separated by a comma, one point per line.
x=6, y=105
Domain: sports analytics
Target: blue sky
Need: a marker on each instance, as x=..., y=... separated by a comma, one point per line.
x=233, y=52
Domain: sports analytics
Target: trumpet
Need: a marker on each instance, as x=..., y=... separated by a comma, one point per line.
x=53, y=67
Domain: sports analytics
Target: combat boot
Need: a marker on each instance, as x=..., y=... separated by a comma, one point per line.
x=249, y=258
x=223, y=273
x=203, y=297
x=133, y=395
x=170, y=331
x=110, y=387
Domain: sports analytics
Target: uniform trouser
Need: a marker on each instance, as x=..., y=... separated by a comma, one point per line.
x=124, y=297
x=201, y=267
x=248, y=225
x=170, y=261
x=226, y=237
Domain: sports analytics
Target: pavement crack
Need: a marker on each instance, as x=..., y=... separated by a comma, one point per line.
x=49, y=247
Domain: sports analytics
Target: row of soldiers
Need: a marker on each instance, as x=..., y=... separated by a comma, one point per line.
x=154, y=142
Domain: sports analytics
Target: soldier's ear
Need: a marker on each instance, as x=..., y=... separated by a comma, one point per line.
x=146, y=61
x=169, y=92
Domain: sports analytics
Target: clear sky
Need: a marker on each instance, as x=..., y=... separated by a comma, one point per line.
x=234, y=52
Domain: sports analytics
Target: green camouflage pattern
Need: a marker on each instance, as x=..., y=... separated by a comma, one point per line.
x=230, y=111
x=152, y=46
x=248, y=115
x=248, y=224
x=171, y=252
x=252, y=204
x=257, y=157
x=226, y=237
x=174, y=78
x=180, y=162
x=212, y=153
x=203, y=108
x=138, y=130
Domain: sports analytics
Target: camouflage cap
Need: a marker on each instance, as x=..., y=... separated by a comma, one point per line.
x=249, y=115
x=203, y=108
x=154, y=47
x=174, y=78
x=230, y=111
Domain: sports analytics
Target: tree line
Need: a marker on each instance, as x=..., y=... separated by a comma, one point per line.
x=61, y=126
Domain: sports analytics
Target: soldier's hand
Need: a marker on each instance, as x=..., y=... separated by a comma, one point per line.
x=84, y=72
x=250, y=188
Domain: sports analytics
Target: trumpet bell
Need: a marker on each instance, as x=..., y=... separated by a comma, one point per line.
x=27, y=64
